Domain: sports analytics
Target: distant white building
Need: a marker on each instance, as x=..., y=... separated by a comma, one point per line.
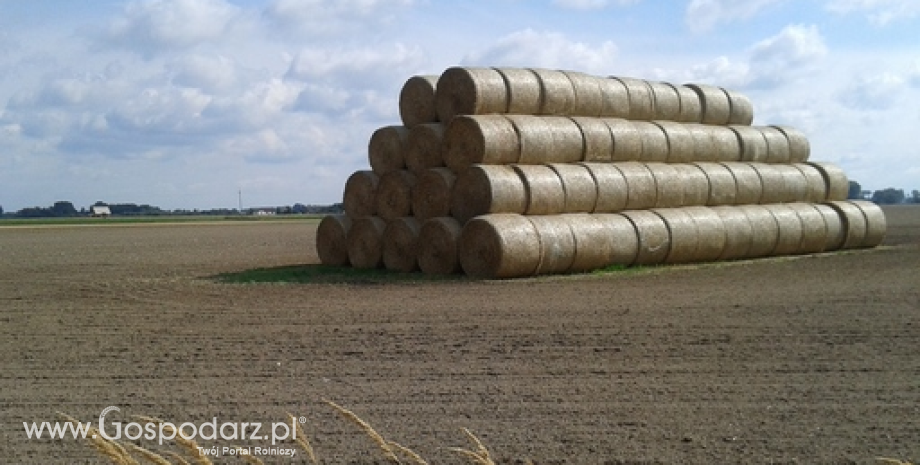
x=100, y=211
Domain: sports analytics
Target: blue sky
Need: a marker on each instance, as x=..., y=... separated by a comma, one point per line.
x=181, y=103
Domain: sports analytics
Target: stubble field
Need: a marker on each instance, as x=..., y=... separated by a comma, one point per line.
x=794, y=360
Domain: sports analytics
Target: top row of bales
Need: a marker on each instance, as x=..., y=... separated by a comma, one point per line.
x=533, y=91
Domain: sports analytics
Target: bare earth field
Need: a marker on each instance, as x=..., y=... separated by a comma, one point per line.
x=804, y=360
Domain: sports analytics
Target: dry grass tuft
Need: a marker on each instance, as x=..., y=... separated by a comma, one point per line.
x=109, y=449
x=148, y=455
x=370, y=431
x=190, y=446
x=480, y=456
x=301, y=439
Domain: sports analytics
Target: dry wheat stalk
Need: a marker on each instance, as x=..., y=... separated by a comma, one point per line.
x=302, y=441
x=414, y=456
x=110, y=449
x=374, y=435
x=148, y=455
x=480, y=456
x=178, y=458
x=191, y=447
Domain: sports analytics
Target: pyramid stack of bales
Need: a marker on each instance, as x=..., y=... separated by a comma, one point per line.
x=508, y=172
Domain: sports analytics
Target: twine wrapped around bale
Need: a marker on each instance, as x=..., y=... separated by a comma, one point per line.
x=773, y=182
x=386, y=150
x=359, y=198
x=669, y=185
x=578, y=187
x=640, y=185
x=789, y=238
x=417, y=101
x=752, y=143
x=588, y=98
x=814, y=230
x=400, y=244
x=710, y=232
x=598, y=141
x=683, y=233
x=667, y=101
x=691, y=107
x=624, y=239
x=557, y=243
x=799, y=147
x=704, y=148
x=695, y=184
x=725, y=144
x=876, y=224
x=502, y=245
x=739, y=234
x=394, y=194
x=470, y=91
x=558, y=93
x=365, y=242
x=742, y=109
x=523, y=88
x=612, y=190
x=437, y=246
x=594, y=243
x=681, y=143
x=817, y=189
x=543, y=189
x=836, y=181
x=615, y=98
x=654, y=142
x=482, y=189
x=432, y=193
x=423, y=147
x=627, y=143
x=722, y=187
x=485, y=139
x=332, y=240
x=836, y=230
x=765, y=229
x=749, y=188
x=714, y=102
x=641, y=101
x=777, y=145
x=654, y=239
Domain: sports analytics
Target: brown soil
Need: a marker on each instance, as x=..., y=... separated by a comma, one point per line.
x=810, y=359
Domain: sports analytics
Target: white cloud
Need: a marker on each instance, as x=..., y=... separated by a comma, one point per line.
x=320, y=18
x=878, y=12
x=795, y=51
x=877, y=92
x=703, y=15
x=530, y=48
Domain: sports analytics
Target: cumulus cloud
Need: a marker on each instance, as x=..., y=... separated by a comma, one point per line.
x=877, y=12
x=547, y=50
x=319, y=17
x=364, y=67
x=796, y=50
x=876, y=92
x=703, y=15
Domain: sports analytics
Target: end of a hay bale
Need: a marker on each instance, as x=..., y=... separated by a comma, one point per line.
x=835, y=180
x=386, y=149
x=365, y=242
x=400, y=244
x=483, y=189
x=394, y=194
x=799, y=146
x=485, y=139
x=417, y=100
x=789, y=237
x=359, y=198
x=499, y=246
x=752, y=143
x=741, y=108
x=332, y=240
x=437, y=246
x=424, y=147
x=432, y=193
x=470, y=91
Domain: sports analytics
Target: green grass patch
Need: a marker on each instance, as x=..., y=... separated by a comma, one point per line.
x=325, y=274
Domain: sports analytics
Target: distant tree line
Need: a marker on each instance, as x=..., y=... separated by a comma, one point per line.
x=888, y=196
x=65, y=209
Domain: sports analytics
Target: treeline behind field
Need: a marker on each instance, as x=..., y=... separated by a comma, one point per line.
x=66, y=209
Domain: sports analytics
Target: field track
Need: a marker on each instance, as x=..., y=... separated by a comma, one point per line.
x=808, y=359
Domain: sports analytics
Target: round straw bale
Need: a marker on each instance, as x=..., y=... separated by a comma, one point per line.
x=615, y=98
x=544, y=191
x=654, y=239
x=536, y=138
x=739, y=234
x=612, y=190
x=694, y=182
x=797, y=189
x=853, y=222
x=836, y=232
x=752, y=143
x=714, y=102
x=386, y=150
x=400, y=244
x=470, y=91
x=423, y=147
x=557, y=243
x=365, y=242
x=667, y=101
x=789, y=238
x=578, y=186
x=641, y=100
x=749, y=188
x=816, y=189
x=332, y=240
x=623, y=239
x=691, y=107
x=594, y=244
x=360, y=196
x=722, y=188
x=681, y=144
x=773, y=182
x=742, y=109
x=598, y=141
x=669, y=184
x=814, y=229
x=654, y=142
x=799, y=147
x=486, y=139
x=710, y=231
x=835, y=180
x=437, y=246
x=482, y=189
x=704, y=148
x=394, y=194
x=640, y=184
x=558, y=93
x=588, y=98
x=502, y=245
x=765, y=230
x=417, y=101
x=683, y=232
x=876, y=225
x=627, y=143
x=523, y=88
x=568, y=141
x=431, y=195
x=777, y=145
x=725, y=144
